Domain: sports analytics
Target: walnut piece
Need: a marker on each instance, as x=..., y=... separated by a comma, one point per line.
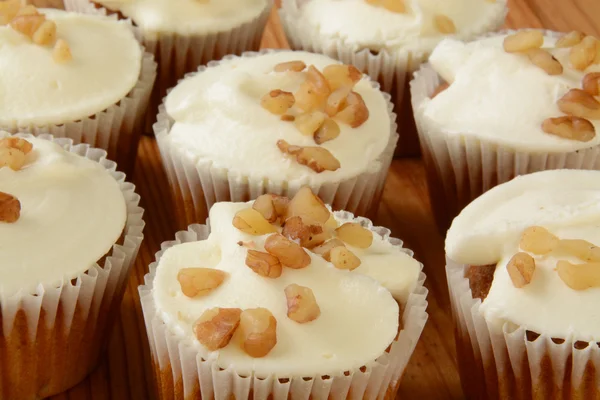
x=310, y=234
x=329, y=130
x=17, y=143
x=538, y=240
x=216, y=326
x=591, y=83
x=196, y=282
x=396, y=6
x=523, y=41
x=307, y=98
x=343, y=258
x=337, y=100
x=520, y=269
x=570, y=127
x=355, y=235
x=265, y=206
x=579, y=103
x=12, y=158
x=46, y=34
x=62, y=52
x=287, y=252
x=341, y=76
x=277, y=101
x=308, y=205
x=295, y=66
x=252, y=222
x=318, y=82
x=579, y=248
x=10, y=208
x=316, y=158
x=27, y=24
x=324, y=250
x=583, y=54
x=355, y=113
x=264, y=264
x=546, y=61
x=301, y=303
x=570, y=39
x=444, y=24
x=579, y=276
x=258, y=328
x=8, y=10
x=309, y=123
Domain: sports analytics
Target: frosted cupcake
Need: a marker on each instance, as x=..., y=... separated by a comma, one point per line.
x=258, y=305
x=388, y=40
x=185, y=34
x=524, y=277
x=77, y=76
x=274, y=122
x=515, y=104
x=71, y=228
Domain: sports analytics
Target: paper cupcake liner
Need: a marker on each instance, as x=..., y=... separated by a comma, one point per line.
x=182, y=373
x=393, y=69
x=47, y=3
x=460, y=167
x=197, y=184
x=179, y=54
x=50, y=338
x=116, y=129
x=507, y=362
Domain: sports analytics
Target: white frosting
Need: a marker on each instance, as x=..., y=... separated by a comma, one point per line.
x=188, y=16
x=359, y=317
x=501, y=98
x=566, y=202
x=362, y=25
x=35, y=89
x=72, y=213
x=219, y=117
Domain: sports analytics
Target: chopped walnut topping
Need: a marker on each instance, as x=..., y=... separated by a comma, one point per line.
x=337, y=100
x=61, y=52
x=329, y=130
x=440, y=89
x=546, y=61
x=325, y=249
x=341, y=76
x=581, y=249
x=520, y=269
x=258, y=328
x=444, y=24
x=316, y=158
x=9, y=10
x=264, y=205
x=343, y=258
x=318, y=82
x=523, y=41
x=296, y=66
x=277, y=101
x=310, y=234
x=252, y=222
x=196, y=282
x=583, y=54
x=12, y=158
x=591, y=83
x=301, y=303
x=356, y=113
x=307, y=98
x=10, y=208
x=27, y=24
x=17, y=143
x=308, y=123
x=579, y=276
x=538, y=240
x=570, y=39
x=308, y=205
x=264, y=264
x=289, y=253
x=46, y=34
x=216, y=326
x=569, y=127
x=579, y=103
x=355, y=235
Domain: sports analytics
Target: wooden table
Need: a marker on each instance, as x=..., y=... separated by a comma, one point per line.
x=124, y=372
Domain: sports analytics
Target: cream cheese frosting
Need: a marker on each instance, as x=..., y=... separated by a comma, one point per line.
x=72, y=213
x=362, y=25
x=567, y=203
x=218, y=117
x=348, y=333
x=35, y=89
x=188, y=16
x=502, y=98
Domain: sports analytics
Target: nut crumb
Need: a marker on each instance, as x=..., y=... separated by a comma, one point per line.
x=523, y=41
x=61, y=53
x=520, y=269
x=10, y=208
x=569, y=127
x=579, y=276
x=301, y=303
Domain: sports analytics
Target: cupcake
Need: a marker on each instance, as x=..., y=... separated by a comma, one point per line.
x=187, y=33
x=513, y=104
x=71, y=228
x=280, y=298
x=387, y=39
x=273, y=122
x=77, y=76
x=523, y=267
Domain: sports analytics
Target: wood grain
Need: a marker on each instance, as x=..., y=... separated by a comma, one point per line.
x=124, y=372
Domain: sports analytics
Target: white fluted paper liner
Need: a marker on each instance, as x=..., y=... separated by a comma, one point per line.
x=182, y=373
x=179, y=54
x=51, y=338
x=197, y=184
x=502, y=362
x=462, y=167
x=392, y=68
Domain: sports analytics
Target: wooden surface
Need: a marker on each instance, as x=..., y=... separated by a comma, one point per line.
x=124, y=373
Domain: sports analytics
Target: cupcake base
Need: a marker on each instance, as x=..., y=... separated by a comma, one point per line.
x=51, y=339
x=181, y=373
x=510, y=362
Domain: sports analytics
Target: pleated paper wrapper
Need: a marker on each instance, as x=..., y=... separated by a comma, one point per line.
x=51, y=338
x=182, y=373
